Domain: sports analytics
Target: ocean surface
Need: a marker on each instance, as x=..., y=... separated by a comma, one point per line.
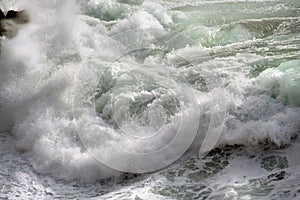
x=160, y=99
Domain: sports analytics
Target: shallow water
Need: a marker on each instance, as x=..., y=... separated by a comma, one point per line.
x=133, y=99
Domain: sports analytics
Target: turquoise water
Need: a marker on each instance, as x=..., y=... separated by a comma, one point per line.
x=133, y=99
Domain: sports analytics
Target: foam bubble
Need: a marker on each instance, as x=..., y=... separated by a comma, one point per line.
x=40, y=68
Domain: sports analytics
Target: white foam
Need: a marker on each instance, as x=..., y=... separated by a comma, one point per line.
x=41, y=65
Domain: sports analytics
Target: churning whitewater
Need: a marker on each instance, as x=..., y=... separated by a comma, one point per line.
x=163, y=99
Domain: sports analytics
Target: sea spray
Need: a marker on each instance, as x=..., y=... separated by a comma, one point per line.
x=72, y=76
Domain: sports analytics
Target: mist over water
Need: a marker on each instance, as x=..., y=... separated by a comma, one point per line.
x=205, y=95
